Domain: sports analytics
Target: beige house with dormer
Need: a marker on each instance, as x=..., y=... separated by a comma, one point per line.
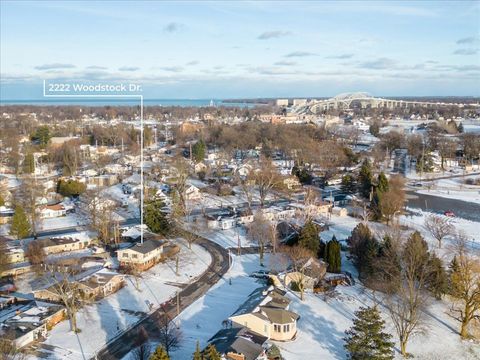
x=266, y=313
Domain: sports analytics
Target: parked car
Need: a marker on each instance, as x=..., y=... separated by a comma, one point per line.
x=260, y=274
x=449, y=213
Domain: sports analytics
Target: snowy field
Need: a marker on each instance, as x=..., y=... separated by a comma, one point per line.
x=121, y=310
x=455, y=189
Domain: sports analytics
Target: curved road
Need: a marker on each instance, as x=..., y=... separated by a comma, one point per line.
x=120, y=346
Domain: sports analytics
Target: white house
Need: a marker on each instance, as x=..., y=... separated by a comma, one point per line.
x=193, y=193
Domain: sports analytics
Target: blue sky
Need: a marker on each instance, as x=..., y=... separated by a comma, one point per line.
x=244, y=49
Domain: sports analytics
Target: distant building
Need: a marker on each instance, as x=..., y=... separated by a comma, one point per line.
x=282, y=102
x=299, y=102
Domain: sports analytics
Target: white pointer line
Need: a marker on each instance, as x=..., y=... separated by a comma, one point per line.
x=135, y=96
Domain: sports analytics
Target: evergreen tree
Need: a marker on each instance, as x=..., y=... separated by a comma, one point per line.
x=29, y=164
x=20, y=227
x=155, y=218
x=380, y=189
x=333, y=256
x=437, y=281
x=309, y=237
x=197, y=355
x=159, y=354
x=382, y=185
x=321, y=249
x=198, y=150
x=364, y=248
x=460, y=128
x=2, y=200
x=211, y=353
x=348, y=184
x=42, y=135
x=70, y=187
x=366, y=339
x=365, y=179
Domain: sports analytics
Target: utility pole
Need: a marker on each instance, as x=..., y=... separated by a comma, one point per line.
x=178, y=303
x=238, y=243
x=176, y=265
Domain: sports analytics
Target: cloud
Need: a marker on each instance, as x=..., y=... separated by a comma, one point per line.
x=469, y=51
x=54, y=66
x=273, y=34
x=95, y=67
x=191, y=63
x=378, y=64
x=175, y=69
x=285, y=63
x=172, y=27
x=468, y=40
x=128, y=68
x=300, y=54
x=340, y=57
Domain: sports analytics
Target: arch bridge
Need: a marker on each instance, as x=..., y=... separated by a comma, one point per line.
x=361, y=99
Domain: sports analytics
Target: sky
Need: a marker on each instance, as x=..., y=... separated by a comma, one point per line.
x=243, y=49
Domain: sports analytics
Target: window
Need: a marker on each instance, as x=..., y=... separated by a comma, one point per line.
x=134, y=256
x=286, y=328
x=277, y=328
x=265, y=329
x=125, y=255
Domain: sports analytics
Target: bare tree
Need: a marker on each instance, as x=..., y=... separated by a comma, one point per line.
x=297, y=256
x=64, y=285
x=35, y=253
x=465, y=280
x=8, y=350
x=405, y=305
x=393, y=200
x=259, y=231
x=439, y=226
x=169, y=334
x=266, y=178
x=29, y=191
x=143, y=349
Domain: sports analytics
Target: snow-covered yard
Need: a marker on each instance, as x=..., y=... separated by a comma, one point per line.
x=103, y=320
x=322, y=326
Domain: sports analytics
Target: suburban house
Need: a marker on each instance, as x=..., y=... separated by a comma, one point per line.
x=24, y=321
x=95, y=286
x=309, y=271
x=266, y=313
x=240, y=344
x=15, y=254
x=221, y=222
x=292, y=183
x=52, y=211
x=59, y=245
x=311, y=210
x=193, y=193
x=141, y=256
x=6, y=214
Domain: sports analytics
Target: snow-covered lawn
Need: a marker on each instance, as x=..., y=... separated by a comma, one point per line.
x=70, y=220
x=103, y=320
x=228, y=238
x=322, y=326
x=201, y=320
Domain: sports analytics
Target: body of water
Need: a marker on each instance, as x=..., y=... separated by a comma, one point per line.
x=124, y=102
